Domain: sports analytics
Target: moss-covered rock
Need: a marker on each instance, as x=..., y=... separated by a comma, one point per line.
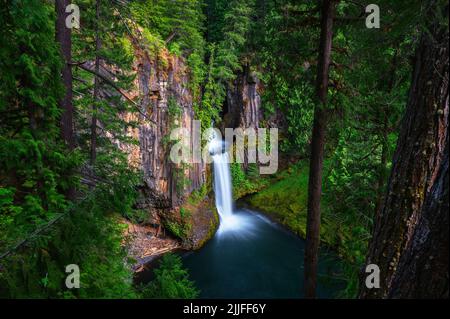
x=204, y=223
x=194, y=223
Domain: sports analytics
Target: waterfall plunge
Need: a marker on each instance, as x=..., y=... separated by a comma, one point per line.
x=230, y=222
x=222, y=187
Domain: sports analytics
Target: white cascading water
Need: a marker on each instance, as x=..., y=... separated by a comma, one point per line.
x=222, y=185
x=229, y=220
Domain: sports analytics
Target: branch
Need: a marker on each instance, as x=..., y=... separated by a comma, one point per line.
x=39, y=230
x=294, y=11
x=171, y=36
x=76, y=63
x=356, y=3
x=349, y=18
x=108, y=81
x=80, y=80
x=374, y=148
x=117, y=88
x=34, y=234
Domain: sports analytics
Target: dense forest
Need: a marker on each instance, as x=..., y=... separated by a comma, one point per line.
x=90, y=91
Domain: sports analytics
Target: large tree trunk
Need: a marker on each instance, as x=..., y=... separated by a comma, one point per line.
x=410, y=235
x=317, y=149
x=63, y=37
x=382, y=175
x=423, y=268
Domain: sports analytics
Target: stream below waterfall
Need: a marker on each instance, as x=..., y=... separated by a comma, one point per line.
x=259, y=259
x=250, y=256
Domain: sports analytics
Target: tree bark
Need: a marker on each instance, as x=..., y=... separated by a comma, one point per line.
x=382, y=175
x=317, y=149
x=410, y=237
x=63, y=37
x=423, y=268
x=96, y=85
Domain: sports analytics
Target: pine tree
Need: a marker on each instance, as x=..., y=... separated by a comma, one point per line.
x=317, y=149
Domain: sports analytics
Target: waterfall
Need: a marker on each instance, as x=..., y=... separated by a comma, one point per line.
x=231, y=222
x=222, y=185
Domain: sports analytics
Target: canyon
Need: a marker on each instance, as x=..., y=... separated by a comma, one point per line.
x=162, y=82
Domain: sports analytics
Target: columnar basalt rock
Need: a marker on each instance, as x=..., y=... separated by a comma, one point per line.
x=161, y=82
x=244, y=101
x=156, y=82
x=243, y=106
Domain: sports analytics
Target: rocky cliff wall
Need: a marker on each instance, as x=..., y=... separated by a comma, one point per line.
x=161, y=83
x=244, y=101
x=159, y=80
x=243, y=105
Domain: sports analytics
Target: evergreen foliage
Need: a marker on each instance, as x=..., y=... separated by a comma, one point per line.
x=172, y=281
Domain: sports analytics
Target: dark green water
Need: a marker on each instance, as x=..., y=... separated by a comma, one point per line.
x=257, y=259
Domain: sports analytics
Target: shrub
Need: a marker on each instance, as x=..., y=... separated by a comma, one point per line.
x=172, y=281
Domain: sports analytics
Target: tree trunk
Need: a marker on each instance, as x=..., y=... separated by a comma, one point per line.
x=423, y=268
x=317, y=149
x=96, y=86
x=63, y=37
x=409, y=237
x=382, y=168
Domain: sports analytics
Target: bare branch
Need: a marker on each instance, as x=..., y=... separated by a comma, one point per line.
x=117, y=88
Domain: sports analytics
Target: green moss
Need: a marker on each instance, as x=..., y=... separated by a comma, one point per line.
x=214, y=224
x=246, y=183
x=285, y=200
x=198, y=195
x=176, y=229
x=185, y=213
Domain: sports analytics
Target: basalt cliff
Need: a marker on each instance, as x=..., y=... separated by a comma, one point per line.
x=178, y=198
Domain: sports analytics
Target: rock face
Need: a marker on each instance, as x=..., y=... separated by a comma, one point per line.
x=157, y=83
x=161, y=90
x=244, y=101
x=244, y=104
